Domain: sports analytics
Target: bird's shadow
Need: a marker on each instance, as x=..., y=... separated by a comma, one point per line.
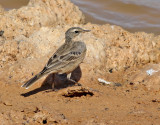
x=56, y=82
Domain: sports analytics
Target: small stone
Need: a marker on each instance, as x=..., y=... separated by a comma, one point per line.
x=1, y=33
x=127, y=90
x=111, y=70
x=131, y=83
x=106, y=109
x=117, y=84
x=7, y=103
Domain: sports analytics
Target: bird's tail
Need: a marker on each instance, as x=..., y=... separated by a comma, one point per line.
x=32, y=80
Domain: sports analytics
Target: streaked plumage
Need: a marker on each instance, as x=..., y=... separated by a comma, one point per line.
x=66, y=58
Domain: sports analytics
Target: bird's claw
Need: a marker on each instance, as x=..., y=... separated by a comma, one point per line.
x=78, y=84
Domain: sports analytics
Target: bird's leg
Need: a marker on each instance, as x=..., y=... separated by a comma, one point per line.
x=69, y=78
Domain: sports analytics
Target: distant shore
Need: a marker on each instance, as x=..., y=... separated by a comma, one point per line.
x=127, y=14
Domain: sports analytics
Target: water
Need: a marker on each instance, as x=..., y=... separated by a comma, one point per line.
x=10, y=4
x=133, y=15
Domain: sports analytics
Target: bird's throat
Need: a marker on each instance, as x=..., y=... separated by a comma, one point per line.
x=68, y=39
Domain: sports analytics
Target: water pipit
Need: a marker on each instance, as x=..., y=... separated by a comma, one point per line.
x=65, y=59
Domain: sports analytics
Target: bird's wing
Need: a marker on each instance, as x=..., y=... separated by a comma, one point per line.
x=56, y=55
x=62, y=58
x=70, y=57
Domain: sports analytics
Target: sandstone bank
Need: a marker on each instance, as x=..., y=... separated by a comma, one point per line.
x=33, y=33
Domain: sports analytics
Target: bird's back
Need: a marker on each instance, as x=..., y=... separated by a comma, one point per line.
x=76, y=55
x=67, y=57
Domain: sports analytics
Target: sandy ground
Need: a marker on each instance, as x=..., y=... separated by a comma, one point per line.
x=93, y=103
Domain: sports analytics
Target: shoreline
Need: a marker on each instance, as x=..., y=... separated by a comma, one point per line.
x=96, y=20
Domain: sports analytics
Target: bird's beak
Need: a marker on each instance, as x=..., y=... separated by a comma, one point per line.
x=86, y=30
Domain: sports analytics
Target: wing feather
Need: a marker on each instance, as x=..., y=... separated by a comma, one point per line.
x=63, y=56
x=72, y=56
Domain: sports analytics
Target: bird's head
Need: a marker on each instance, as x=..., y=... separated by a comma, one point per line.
x=73, y=32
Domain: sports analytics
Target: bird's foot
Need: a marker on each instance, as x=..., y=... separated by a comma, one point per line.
x=51, y=90
x=78, y=84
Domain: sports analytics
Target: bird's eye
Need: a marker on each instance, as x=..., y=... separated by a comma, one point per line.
x=76, y=31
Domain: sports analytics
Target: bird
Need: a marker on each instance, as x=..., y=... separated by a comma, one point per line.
x=66, y=58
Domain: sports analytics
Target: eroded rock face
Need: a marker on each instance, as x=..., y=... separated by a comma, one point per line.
x=27, y=19
x=18, y=26
x=107, y=49
x=33, y=33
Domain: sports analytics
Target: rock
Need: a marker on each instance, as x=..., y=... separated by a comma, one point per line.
x=7, y=103
x=27, y=19
x=77, y=92
x=109, y=49
x=103, y=82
